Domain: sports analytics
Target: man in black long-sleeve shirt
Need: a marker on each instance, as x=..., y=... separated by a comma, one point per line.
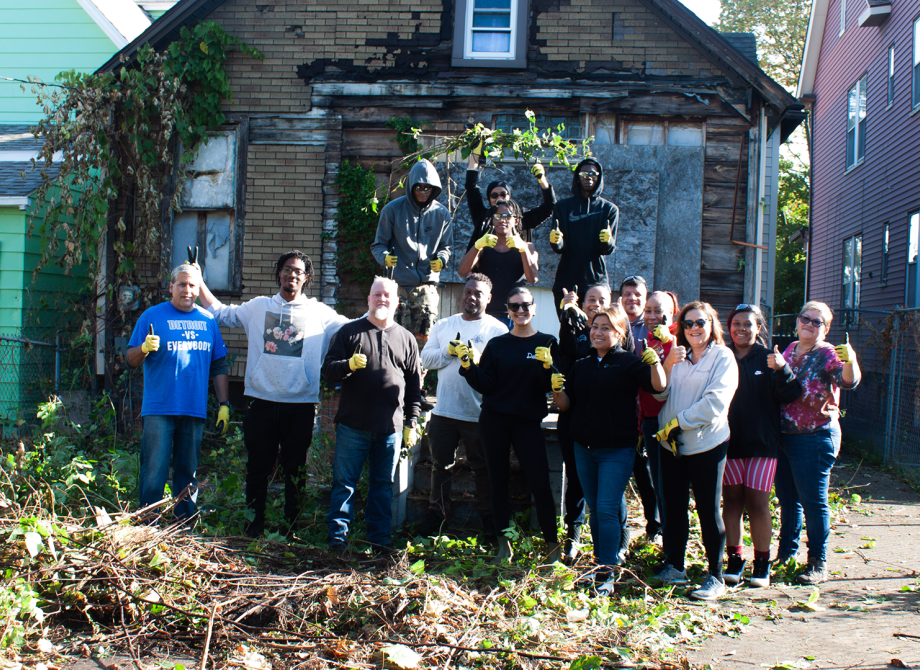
x=376, y=362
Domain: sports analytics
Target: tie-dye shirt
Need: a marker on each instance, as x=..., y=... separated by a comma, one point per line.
x=820, y=372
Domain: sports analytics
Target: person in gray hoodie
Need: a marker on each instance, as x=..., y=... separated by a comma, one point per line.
x=414, y=237
x=288, y=334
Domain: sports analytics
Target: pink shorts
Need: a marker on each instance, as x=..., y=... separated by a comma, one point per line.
x=754, y=473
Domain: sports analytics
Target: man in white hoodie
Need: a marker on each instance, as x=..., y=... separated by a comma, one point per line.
x=288, y=336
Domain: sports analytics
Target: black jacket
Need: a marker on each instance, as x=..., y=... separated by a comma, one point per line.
x=385, y=394
x=581, y=221
x=754, y=413
x=481, y=214
x=603, y=396
x=510, y=378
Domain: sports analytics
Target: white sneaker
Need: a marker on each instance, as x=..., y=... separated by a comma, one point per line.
x=711, y=589
x=671, y=575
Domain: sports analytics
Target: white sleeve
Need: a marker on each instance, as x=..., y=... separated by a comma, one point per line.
x=434, y=356
x=234, y=316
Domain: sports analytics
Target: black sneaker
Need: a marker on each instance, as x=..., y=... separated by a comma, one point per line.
x=734, y=571
x=760, y=575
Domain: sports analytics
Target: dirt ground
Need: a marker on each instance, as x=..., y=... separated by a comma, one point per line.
x=868, y=613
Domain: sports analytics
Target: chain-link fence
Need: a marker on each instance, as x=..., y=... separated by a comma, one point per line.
x=883, y=412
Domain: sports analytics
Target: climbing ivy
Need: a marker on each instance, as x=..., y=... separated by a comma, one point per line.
x=356, y=222
x=406, y=134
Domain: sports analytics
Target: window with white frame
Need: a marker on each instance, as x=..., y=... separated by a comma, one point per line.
x=208, y=220
x=913, y=245
x=891, y=75
x=885, y=237
x=650, y=131
x=490, y=33
x=856, y=123
x=852, y=267
x=843, y=16
x=915, y=70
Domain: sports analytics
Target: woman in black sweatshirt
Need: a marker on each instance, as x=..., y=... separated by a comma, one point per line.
x=765, y=381
x=513, y=376
x=601, y=392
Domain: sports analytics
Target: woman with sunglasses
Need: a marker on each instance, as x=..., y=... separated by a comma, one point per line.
x=693, y=438
x=811, y=437
x=513, y=376
x=504, y=258
x=500, y=191
x=601, y=393
x=765, y=382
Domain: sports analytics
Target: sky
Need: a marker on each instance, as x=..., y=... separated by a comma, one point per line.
x=708, y=10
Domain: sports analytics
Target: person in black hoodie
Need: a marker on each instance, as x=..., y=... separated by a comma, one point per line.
x=765, y=381
x=513, y=376
x=601, y=391
x=584, y=231
x=500, y=191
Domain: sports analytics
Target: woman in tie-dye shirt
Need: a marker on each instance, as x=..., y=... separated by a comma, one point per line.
x=811, y=437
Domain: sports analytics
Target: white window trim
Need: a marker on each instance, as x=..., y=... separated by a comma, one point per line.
x=860, y=86
x=914, y=64
x=852, y=287
x=468, y=52
x=890, y=81
x=462, y=55
x=843, y=16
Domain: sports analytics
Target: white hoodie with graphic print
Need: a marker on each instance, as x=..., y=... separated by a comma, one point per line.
x=287, y=344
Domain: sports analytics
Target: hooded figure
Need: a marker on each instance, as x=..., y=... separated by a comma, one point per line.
x=481, y=214
x=416, y=233
x=586, y=226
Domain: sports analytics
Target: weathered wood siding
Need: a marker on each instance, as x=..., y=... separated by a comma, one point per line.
x=884, y=188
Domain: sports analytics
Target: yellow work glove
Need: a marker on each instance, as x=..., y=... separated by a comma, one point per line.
x=358, y=360
x=223, y=417
x=151, y=343
x=845, y=352
x=538, y=171
x=477, y=148
x=544, y=356
x=410, y=436
x=555, y=236
x=473, y=353
x=605, y=235
x=486, y=240
x=662, y=333
x=452, y=345
x=667, y=436
x=437, y=265
x=515, y=242
x=557, y=381
x=463, y=353
x=390, y=260
x=649, y=357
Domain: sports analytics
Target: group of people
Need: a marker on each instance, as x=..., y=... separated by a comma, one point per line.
x=643, y=387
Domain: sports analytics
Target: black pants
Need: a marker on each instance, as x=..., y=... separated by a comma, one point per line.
x=642, y=473
x=444, y=436
x=574, y=496
x=499, y=433
x=267, y=428
x=703, y=472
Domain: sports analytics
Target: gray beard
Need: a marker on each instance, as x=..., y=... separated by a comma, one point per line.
x=381, y=313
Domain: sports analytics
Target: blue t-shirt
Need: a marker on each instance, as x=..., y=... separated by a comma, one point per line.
x=176, y=376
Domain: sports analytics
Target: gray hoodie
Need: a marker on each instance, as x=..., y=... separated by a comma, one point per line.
x=417, y=234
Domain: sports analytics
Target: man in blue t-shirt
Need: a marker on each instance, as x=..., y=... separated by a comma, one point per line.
x=180, y=346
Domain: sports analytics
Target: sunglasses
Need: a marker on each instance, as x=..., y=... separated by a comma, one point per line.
x=421, y=187
x=589, y=175
x=633, y=279
x=502, y=217
x=699, y=323
x=817, y=323
x=499, y=194
x=744, y=307
x=515, y=306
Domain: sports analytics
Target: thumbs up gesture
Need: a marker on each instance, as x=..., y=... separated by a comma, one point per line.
x=151, y=343
x=775, y=360
x=845, y=352
x=555, y=235
x=605, y=235
x=452, y=345
x=358, y=361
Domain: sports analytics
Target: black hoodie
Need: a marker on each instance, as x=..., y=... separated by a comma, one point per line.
x=481, y=214
x=581, y=221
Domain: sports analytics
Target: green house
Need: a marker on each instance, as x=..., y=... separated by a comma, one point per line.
x=39, y=39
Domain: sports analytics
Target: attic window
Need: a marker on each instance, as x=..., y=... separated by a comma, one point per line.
x=490, y=33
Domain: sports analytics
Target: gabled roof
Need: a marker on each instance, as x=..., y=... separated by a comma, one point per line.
x=746, y=43
x=120, y=20
x=713, y=46
x=812, y=48
x=17, y=147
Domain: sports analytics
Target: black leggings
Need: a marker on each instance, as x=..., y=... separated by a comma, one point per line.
x=703, y=472
x=499, y=433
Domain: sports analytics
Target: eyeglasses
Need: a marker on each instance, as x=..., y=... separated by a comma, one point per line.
x=424, y=188
x=699, y=323
x=589, y=175
x=502, y=216
x=287, y=272
x=817, y=323
x=515, y=306
x=744, y=307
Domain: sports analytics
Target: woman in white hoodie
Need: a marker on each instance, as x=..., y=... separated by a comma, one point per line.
x=693, y=439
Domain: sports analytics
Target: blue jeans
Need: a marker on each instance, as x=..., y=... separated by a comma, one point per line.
x=164, y=438
x=803, y=475
x=352, y=449
x=604, y=474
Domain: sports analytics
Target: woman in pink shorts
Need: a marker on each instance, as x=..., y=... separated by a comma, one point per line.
x=765, y=382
